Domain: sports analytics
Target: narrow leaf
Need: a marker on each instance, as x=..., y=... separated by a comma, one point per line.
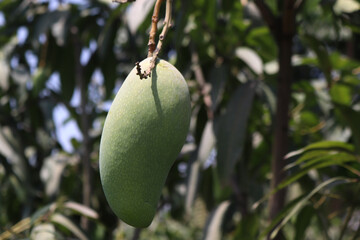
x=232, y=129
x=251, y=58
x=327, y=161
x=82, y=209
x=213, y=229
x=206, y=145
x=68, y=224
x=44, y=231
x=325, y=145
x=303, y=221
x=346, y=6
x=137, y=13
x=303, y=202
x=352, y=118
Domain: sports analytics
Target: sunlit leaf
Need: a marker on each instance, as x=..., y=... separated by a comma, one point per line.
x=341, y=94
x=137, y=13
x=213, y=229
x=68, y=224
x=346, y=6
x=82, y=209
x=17, y=229
x=44, y=231
x=323, y=145
x=51, y=172
x=9, y=148
x=207, y=144
x=251, y=58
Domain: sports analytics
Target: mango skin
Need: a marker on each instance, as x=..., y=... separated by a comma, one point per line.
x=143, y=134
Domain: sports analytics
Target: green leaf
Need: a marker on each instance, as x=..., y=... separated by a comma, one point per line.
x=352, y=118
x=232, y=128
x=210, y=10
x=343, y=63
x=328, y=183
x=326, y=161
x=319, y=155
x=341, y=94
x=248, y=227
x=206, y=145
x=323, y=145
x=261, y=39
x=335, y=145
x=67, y=70
x=41, y=212
x=270, y=97
x=11, y=150
x=303, y=220
x=39, y=79
x=54, y=21
x=337, y=159
x=323, y=58
x=283, y=213
x=330, y=159
x=217, y=78
x=106, y=42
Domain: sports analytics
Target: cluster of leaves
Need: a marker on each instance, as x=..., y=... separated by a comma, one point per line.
x=75, y=56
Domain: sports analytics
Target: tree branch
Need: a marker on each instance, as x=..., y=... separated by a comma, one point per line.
x=123, y=1
x=283, y=29
x=203, y=86
x=85, y=126
x=267, y=15
x=154, y=21
x=288, y=19
x=167, y=25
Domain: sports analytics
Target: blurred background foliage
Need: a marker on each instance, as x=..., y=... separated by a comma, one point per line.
x=62, y=62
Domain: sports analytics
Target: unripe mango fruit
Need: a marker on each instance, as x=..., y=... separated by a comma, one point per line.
x=143, y=133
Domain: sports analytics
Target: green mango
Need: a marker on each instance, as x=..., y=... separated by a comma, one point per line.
x=143, y=133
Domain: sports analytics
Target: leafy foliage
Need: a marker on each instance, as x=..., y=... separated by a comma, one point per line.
x=62, y=63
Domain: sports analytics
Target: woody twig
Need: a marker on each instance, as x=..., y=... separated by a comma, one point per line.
x=154, y=52
x=123, y=1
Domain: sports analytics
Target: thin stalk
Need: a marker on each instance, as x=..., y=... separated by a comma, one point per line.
x=123, y=1
x=204, y=87
x=137, y=232
x=154, y=21
x=347, y=220
x=357, y=234
x=155, y=53
x=85, y=126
